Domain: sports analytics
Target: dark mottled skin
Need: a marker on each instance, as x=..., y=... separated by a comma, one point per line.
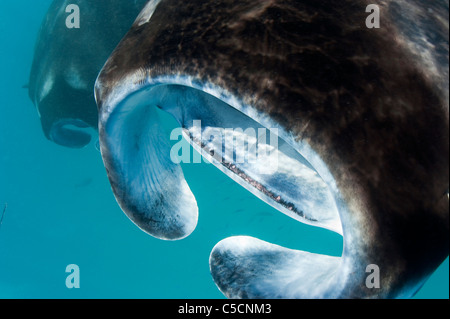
x=362, y=101
x=102, y=24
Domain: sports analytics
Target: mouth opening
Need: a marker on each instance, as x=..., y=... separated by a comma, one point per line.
x=253, y=155
x=71, y=133
x=144, y=169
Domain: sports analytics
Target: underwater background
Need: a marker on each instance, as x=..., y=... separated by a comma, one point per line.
x=61, y=210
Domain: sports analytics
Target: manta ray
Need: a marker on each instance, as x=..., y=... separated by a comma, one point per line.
x=66, y=64
x=361, y=117
x=362, y=122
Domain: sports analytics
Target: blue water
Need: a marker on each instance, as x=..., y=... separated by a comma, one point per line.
x=61, y=209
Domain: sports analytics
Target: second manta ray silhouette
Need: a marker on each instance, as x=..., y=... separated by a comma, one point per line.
x=67, y=61
x=363, y=132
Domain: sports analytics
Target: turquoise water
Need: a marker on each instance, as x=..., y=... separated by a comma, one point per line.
x=61, y=210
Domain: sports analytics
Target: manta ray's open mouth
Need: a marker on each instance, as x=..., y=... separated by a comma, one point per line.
x=250, y=153
x=72, y=133
x=150, y=186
